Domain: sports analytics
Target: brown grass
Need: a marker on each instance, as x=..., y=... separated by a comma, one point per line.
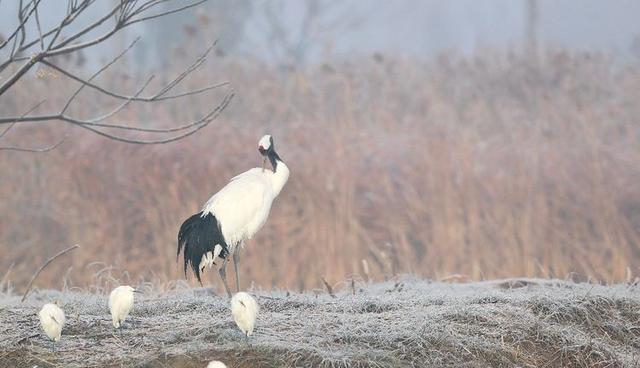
x=484, y=167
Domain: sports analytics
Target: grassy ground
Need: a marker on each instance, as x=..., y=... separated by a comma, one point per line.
x=404, y=323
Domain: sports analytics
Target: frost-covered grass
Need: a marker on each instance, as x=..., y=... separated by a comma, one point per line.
x=405, y=323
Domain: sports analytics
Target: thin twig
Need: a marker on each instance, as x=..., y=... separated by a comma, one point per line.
x=199, y=123
x=22, y=149
x=22, y=116
x=103, y=68
x=43, y=266
x=19, y=28
x=36, y=150
x=130, y=98
x=6, y=276
x=162, y=14
x=90, y=27
x=329, y=288
x=98, y=119
x=39, y=28
x=204, y=121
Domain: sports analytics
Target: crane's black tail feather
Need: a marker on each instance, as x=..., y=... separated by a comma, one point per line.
x=199, y=235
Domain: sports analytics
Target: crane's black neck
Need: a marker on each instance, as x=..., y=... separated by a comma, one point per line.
x=273, y=158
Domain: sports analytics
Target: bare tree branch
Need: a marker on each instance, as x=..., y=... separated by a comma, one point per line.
x=71, y=16
x=53, y=43
x=26, y=292
x=164, y=13
x=91, y=27
x=128, y=11
x=105, y=67
x=20, y=26
x=20, y=72
x=197, y=124
x=156, y=97
x=23, y=149
x=122, y=105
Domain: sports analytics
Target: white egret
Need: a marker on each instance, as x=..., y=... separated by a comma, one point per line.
x=120, y=303
x=216, y=364
x=245, y=310
x=52, y=320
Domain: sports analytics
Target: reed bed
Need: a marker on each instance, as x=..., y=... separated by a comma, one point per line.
x=473, y=168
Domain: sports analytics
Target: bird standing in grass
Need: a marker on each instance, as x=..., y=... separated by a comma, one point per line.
x=52, y=320
x=120, y=303
x=216, y=364
x=245, y=310
x=233, y=215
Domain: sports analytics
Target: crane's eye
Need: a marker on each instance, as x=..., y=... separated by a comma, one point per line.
x=262, y=150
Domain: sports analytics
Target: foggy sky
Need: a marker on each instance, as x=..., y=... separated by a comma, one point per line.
x=423, y=28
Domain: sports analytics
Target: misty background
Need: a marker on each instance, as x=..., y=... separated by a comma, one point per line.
x=298, y=32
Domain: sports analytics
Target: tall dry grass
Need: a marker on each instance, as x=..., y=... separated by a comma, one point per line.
x=484, y=167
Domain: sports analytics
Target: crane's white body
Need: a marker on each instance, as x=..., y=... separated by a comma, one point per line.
x=245, y=310
x=120, y=303
x=52, y=320
x=216, y=364
x=243, y=205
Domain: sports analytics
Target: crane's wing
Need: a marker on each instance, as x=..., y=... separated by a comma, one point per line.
x=199, y=235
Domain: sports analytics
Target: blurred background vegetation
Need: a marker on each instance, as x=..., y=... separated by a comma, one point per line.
x=472, y=140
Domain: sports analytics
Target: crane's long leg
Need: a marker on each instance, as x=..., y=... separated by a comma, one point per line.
x=223, y=276
x=236, y=259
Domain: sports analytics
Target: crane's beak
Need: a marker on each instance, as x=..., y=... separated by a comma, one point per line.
x=137, y=291
x=264, y=163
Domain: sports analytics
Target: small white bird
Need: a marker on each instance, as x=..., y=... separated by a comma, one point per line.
x=245, y=310
x=216, y=364
x=120, y=303
x=52, y=320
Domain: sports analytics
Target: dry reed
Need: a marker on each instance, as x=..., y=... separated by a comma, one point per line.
x=482, y=167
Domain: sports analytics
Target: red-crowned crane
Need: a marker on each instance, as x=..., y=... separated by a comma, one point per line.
x=232, y=216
